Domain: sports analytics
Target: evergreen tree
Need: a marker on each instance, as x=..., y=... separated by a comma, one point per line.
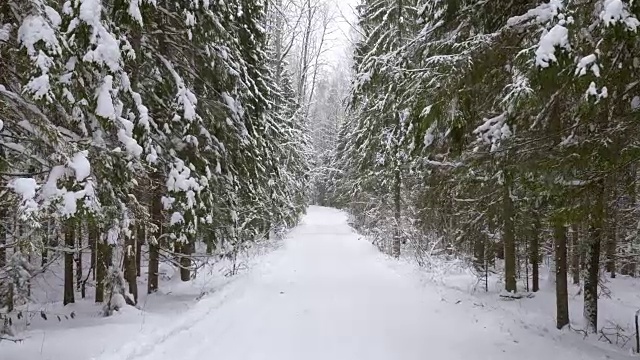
x=379, y=149
x=128, y=120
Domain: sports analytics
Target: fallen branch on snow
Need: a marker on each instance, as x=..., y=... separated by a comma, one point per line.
x=16, y=341
x=516, y=296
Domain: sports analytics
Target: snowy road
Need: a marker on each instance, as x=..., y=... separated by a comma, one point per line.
x=328, y=295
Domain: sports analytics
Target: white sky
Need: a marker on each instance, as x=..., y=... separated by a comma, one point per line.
x=340, y=32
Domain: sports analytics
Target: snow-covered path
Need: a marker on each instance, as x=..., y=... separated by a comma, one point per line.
x=328, y=295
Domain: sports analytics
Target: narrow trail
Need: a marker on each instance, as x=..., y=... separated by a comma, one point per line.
x=328, y=295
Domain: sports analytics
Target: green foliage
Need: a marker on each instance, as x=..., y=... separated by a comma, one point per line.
x=108, y=107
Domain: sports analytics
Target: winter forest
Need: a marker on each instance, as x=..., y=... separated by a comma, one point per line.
x=161, y=158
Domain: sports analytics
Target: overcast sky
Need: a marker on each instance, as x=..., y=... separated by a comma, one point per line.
x=341, y=31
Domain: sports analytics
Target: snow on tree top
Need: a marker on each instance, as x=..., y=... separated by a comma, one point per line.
x=545, y=53
x=104, y=107
x=107, y=50
x=80, y=165
x=585, y=63
x=34, y=29
x=541, y=14
x=25, y=187
x=615, y=11
x=5, y=32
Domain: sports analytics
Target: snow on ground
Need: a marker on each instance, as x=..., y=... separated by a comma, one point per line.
x=618, y=302
x=89, y=333
x=325, y=294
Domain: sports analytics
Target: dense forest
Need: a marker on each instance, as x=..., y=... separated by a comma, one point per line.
x=501, y=132
x=136, y=129
x=141, y=133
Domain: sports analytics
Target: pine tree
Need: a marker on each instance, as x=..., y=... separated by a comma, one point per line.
x=108, y=99
x=381, y=144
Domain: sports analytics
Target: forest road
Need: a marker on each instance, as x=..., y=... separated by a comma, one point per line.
x=327, y=294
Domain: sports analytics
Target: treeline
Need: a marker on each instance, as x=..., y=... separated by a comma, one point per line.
x=498, y=130
x=141, y=126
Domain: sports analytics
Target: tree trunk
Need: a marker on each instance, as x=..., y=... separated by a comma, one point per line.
x=396, y=215
x=154, y=245
x=562, y=301
x=78, y=257
x=499, y=246
x=45, y=248
x=4, y=234
x=140, y=239
x=508, y=237
x=101, y=262
x=491, y=247
x=130, y=266
x=4, y=222
x=92, y=240
x=631, y=271
x=211, y=242
x=305, y=61
x=575, y=254
x=632, y=203
x=25, y=250
x=593, y=260
x=478, y=252
x=185, y=260
x=534, y=254
x=610, y=246
x=397, y=195
x=277, y=40
x=4, y=212
x=610, y=224
x=152, y=285
x=69, y=242
x=134, y=243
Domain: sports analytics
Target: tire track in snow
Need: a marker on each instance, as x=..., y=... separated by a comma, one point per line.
x=148, y=344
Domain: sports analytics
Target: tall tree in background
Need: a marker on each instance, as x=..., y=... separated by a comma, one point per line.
x=380, y=146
